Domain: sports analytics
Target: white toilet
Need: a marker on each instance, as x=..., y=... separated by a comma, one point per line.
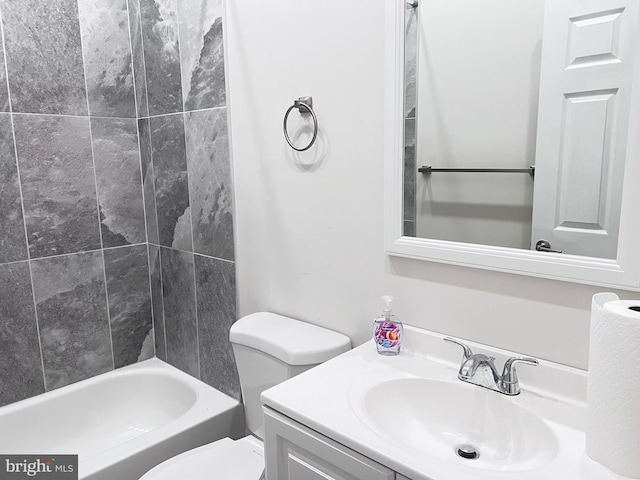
x=268, y=349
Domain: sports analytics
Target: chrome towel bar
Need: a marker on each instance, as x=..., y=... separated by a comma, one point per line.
x=428, y=170
x=306, y=104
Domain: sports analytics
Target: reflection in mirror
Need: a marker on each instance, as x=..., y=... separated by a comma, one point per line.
x=504, y=86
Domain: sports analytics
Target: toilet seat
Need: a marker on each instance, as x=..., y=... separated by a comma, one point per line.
x=225, y=459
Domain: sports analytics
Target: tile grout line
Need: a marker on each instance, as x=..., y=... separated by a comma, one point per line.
x=77, y=253
x=146, y=232
x=149, y=172
x=164, y=323
x=153, y=184
x=180, y=54
x=195, y=298
x=15, y=145
x=153, y=319
x=180, y=60
x=144, y=202
x=35, y=308
x=193, y=247
x=186, y=157
x=144, y=58
x=153, y=173
x=104, y=263
x=6, y=64
x=28, y=260
x=66, y=115
x=133, y=69
x=14, y=262
x=225, y=260
x=24, y=217
x=95, y=182
x=184, y=111
x=152, y=169
x=135, y=101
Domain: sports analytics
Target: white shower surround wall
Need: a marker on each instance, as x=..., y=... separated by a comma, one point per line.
x=122, y=423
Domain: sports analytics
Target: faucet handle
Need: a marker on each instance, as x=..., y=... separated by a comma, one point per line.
x=467, y=351
x=510, y=376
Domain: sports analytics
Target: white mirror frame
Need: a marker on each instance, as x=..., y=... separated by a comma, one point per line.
x=623, y=273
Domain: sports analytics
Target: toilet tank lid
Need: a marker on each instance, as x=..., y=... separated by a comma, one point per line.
x=292, y=341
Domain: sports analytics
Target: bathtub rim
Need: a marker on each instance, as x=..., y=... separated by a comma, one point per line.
x=208, y=404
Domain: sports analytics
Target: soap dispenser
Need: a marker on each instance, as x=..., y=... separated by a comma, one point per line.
x=387, y=330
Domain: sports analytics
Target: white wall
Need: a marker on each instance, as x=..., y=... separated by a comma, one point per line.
x=478, y=71
x=310, y=226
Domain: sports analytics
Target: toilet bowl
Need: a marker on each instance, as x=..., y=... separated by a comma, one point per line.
x=268, y=349
x=225, y=459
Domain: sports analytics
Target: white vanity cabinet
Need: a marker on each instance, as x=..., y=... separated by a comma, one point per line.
x=295, y=452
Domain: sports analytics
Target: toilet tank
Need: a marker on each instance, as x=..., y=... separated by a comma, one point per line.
x=270, y=349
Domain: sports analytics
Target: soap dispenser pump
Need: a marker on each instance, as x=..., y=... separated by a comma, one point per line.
x=387, y=330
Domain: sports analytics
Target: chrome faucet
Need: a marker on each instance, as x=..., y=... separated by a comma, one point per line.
x=474, y=370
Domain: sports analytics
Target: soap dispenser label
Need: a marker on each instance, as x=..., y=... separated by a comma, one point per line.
x=387, y=334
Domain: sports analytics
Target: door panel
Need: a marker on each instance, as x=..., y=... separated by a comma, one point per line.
x=583, y=121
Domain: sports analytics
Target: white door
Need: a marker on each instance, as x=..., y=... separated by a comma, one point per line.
x=585, y=90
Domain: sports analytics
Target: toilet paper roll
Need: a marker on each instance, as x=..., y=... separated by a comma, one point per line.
x=613, y=396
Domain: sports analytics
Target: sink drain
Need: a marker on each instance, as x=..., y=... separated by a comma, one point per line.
x=468, y=452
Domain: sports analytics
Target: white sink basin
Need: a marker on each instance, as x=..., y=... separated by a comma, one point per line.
x=411, y=412
x=434, y=418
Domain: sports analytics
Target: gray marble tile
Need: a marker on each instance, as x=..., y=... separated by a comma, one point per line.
x=13, y=244
x=410, y=62
x=155, y=274
x=147, y=181
x=178, y=285
x=129, y=299
x=4, y=90
x=202, y=52
x=139, y=71
x=104, y=25
x=216, y=293
x=410, y=170
x=161, y=55
x=117, y=160
x=171, y=181
x=409, y=228
x=72, y=313
x=210, y=182
x=58, y=184
x=44, y=56
x=21, y=373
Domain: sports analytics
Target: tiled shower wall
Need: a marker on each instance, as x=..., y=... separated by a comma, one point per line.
x=185, y=137
x=115, y=192
x=74, y=283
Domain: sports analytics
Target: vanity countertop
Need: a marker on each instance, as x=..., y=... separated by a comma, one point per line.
x=537, y=435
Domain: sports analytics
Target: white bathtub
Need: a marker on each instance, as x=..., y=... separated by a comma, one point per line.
x=121, y=423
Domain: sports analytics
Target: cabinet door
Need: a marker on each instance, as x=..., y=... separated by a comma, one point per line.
x=295, y=452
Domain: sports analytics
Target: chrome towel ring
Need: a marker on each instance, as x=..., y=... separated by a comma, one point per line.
x=306, y=104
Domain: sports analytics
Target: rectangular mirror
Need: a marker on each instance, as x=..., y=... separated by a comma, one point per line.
x=512, y=136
